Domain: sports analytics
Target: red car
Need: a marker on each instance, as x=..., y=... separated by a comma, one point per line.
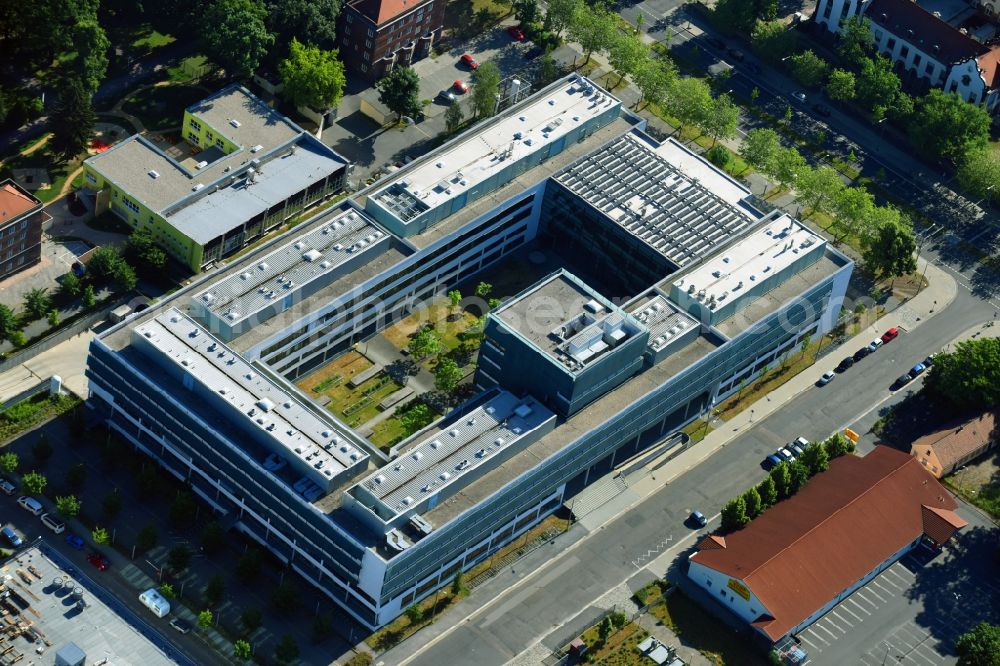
x=469, y=61
x=460, y=87
x=891, y=334
x=516, y=32
x=98, y=561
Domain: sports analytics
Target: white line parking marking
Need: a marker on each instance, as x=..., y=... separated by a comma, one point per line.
x=842, y=619
x=860, y=595
x=860, y=607
x=812, y=632
x=832, y=635
x=881, y=587
x=843, y=607
x=894, y=584
x=813, y=647
x=869, y=590
x=829, y=620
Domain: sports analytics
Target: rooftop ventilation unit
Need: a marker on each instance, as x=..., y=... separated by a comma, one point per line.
x=234, y=122
x=312, y=255
x=256, y=148
x=197, y=186
x=201, y=165
x=417, y=455
x=153, y=173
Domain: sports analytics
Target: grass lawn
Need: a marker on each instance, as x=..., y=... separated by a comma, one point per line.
x=58, y=169
x=979, y=483
x=619, y=650
x=189, y=69
x=652, y=593
x=402, y=628
x=162, y=107
x=700, y=630
x=439, y=314
x=391, y=431
x=33, y=411
x=550, y=524
x=151, y=41
x=354, y=405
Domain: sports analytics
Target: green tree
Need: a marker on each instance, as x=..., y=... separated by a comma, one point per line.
x=415, y=418
x=525, y=11
x=594, y=28
x=34, y=482
x=547, y=69
x=841, y=86
x=799, y=475
x=143, y=251
x=458, y=583
x=146, y=538
x=559, y=14
x=626, y=53
x=759, y=148
x=782, y=478
x=41, y=449
x=71, y=135
x=837, y=445
x=8, y=322
x=946, y=126
x=76, y=476
x=772, y=40
x=88, y=299
x=689, y=100
x=112, y=504
x=877, y=83
x=740, y=16
x=453, y=117
x=212, y=538
x=979, y=174
x=287, y=650
x=485, y=88
x=447, y=375
x=215, y=590
x=400, y=92
x=178, y=558
x=19, y=339
x=167, y=590
x=654, y=78
x=312, y=77
x=734, y=514
x=980, y=646
x=605, y=629
x=241, y=650
x=722, y=119
x=891, y=250
x=455, y=296
x=312, y=21
x=251, y=619
x=37, y=302
x=819, y=188
x=285, y=598
x=414, y=614
x=855, y=40
x=234, y=35
x=68, y=506
x=425, y=343
x=484, y=289
x=9, y=462
x=808, y=68
x=816, y=458
x=124, y=277
x=788, y=166
x=968, y=377
x=90, y=61
x=853, y=207
x=53, y=318
x=205, y=619
x=100, y=536
x=768, y=493
x=248, y=566
x=753, y=502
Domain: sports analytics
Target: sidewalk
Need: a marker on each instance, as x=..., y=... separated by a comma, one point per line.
x=68, y=360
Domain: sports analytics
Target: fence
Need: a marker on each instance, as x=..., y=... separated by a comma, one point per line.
x=61, y=335
x=40, y=387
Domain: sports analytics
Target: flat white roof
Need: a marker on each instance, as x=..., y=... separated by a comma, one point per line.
x=291, y=267
x=460, y=167
x=448, y=458
x=767, y=251
x=296, y=431
x=665, y=322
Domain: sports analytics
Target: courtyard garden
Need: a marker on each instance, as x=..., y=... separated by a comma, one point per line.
x=355, y=405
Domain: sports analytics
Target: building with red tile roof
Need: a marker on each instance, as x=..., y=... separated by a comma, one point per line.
x=944, y=451
x=924, y=45
x=804, y=555
x=377, y=35
x=21, y=219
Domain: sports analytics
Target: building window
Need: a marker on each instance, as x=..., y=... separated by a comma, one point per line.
x=219, y=144
x=368, y=43
x=350, y=18
x=904, y=51
x=916, y=60
x=209, y=136
x=193, y=137
x=371, y=32
x=364, y=67
x=92, y=178
x=347, y=31
x=966, y=80
x=929, y=68
x=131, y=205
x=366, y=55
x=195, y=125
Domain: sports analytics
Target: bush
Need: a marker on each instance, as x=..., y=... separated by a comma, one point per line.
x=719, y=155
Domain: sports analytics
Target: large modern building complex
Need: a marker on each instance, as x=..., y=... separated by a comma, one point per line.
x=241, y=170
x=607, y=353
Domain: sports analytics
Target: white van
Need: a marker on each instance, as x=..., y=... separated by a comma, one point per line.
x=156, y=602
x=30, y=504
x=53, y=523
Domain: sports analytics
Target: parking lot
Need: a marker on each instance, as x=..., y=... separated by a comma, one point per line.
x=913, y=612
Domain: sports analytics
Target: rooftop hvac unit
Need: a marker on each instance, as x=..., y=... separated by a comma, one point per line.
x=201, y=165
x=153, y=173
x=256, y=148
x=234, y=122
x=197, y=186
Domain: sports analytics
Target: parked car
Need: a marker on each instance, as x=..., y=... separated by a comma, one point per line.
x=30, y=504
x=716, y=43
x=469, y=61
x=12, y=537
x=460, y=87
x=736, y=55
x=7, y=487
x=770, y=462
x=917, y=370
x=861, y=353
x=821, y=110
x=826, y=378
x=845, y=364
x=901, y=381
x=796, y=450
x=799, y=95
x=890, y=335
x=516, y=32
x=99, y=561
x=447, y=96
x=874, y=344
x=75, y=542
x=180, y=625
x=929, y=361
x=53, y=523
x=786, y=455
x=698, y=518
